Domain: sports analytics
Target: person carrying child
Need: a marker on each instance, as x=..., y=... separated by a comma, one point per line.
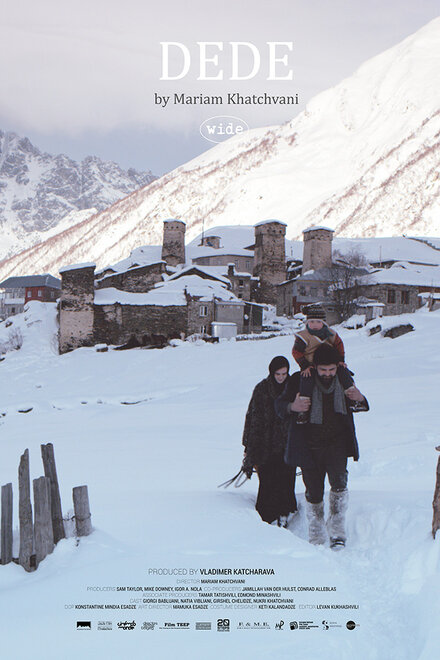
x=315, y=333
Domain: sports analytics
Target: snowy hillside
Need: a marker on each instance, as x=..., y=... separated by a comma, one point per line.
x=37, y=190
x=362, y=158
x=153, y=468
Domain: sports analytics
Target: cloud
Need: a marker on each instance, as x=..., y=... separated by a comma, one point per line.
x=92, y=65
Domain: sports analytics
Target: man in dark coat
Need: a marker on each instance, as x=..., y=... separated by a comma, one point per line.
x=322, y=446
x=265, y=439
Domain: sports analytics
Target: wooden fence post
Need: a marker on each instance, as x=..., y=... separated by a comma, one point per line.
x=43, y=520
x=50, y=472
x=25, y=513
x=436, y=501
x=81, y=507
x=6, y=534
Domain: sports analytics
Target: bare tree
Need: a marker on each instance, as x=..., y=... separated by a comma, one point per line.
x=348, y=269
x=352, y=257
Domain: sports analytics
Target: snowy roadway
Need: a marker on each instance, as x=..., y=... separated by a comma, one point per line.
x=153, y=467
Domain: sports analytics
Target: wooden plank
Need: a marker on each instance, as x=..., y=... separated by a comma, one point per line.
x=50, y=471
x=81, y=508
x=43, y=519
x=436, y=501
x=25, y=514
x=6, y=533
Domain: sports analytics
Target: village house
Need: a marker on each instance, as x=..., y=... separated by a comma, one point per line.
x=17, y=291
x=399, y=286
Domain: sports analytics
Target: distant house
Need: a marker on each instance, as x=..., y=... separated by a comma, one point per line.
x=17, y=291
x=314, y=286
x=399, y=286
x=213, y=250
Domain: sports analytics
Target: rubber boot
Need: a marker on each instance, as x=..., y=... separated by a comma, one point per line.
x=315, y=516
x=336, y=521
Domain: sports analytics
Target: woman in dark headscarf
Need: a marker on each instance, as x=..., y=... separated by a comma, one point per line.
x=264, y=439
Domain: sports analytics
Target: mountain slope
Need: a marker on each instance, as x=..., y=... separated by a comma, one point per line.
x=38, y=190
x=363, y=158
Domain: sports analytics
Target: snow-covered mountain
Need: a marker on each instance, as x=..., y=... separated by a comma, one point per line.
x=362, y=158
x=38, y=190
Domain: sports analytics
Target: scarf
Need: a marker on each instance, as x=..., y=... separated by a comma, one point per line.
x=334, y=388
x=322, y=334
x=275, y=388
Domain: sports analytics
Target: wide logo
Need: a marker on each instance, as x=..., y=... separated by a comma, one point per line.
x=222, y=127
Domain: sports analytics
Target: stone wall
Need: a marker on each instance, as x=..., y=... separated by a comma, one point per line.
x=76, y=308
x=173, y=246
x=197, y=318
x=240, y=284
x=116, y=324
x=285, y=299
x=137, y=280
x=270, y=258
x=405, y=297
x=317, y=251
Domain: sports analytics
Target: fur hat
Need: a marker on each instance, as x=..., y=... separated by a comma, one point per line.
x=326, y=354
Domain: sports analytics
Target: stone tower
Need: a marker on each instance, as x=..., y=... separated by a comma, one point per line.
x=76, y=307
x=317, y=251
x=173, y=247
x=270, y=258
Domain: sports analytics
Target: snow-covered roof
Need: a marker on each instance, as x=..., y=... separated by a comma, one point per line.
x=141, y=256
x=223, y=323
x=429, y=294
x=211, y=271
x=13, y=301
x=269, y=222
x=131, y=269
x=316, y=227
x=197, y=286
x=363, y=301
x=410, y=274
x=397, y=248
x=162, y=298
x=87, y=264
x=320, y=274
x=234, y=240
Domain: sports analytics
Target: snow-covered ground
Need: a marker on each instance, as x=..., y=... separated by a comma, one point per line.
x=153, y=468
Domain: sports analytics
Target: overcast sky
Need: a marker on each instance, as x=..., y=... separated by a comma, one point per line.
x=80, y=77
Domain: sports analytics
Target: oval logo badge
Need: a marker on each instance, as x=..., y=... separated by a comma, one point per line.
x=222, y=127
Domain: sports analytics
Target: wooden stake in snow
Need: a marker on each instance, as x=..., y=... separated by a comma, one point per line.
x=436, y=501
x=43, y=520
x=25, y=513
x=82, y=511
x=6, y=535
x=50, y=472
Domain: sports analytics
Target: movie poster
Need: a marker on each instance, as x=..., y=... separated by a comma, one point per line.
x=221, y=117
